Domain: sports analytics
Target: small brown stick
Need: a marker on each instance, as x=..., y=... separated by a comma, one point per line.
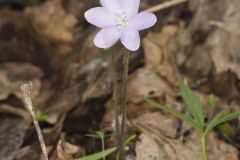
x=26, y=90
x=164, y=5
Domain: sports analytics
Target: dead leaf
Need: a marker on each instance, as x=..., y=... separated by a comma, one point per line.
x=12, y=75
x=159, y=75
x=12, y=133
x=62, y=23
x=157, y=147
x=224, y=42
x=67, y=150
x=166, y=125
x=158, y=58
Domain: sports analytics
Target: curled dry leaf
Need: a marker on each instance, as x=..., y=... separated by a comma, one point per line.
x=66, y=150
x=157, y=147
x=160, y=75
x=140, y=86
x=12, y=75
x=166, y=125
x=55, y=23
x=224, y=42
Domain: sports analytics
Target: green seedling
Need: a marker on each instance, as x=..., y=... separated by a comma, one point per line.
x=104, y=153
x=41, y=117
x=99, y=155
x=211, y=101
x=100, y=135
x=196, y=120
x=129, y=139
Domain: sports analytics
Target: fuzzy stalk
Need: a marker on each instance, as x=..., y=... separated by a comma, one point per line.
x=124, y=100
x=115, y=98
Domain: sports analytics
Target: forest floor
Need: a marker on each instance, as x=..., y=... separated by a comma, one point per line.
x=50, y=44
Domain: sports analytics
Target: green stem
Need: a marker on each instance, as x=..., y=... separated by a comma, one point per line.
x=115, y=98
x=204, y=150
x=124, y=100
x=103, y=146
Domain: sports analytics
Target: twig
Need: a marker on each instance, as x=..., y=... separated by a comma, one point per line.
x=124, y=100
x=220, y=25
x=26, y=90
x=165, y=5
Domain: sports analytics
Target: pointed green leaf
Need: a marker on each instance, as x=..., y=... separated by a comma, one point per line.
x=92, y=135
x=125, y=143
x=222, y=120
x=100, y=134
x=215, y=120
x=41, y=117
x=176, y=113
x=99, y=155
x=129, y=139
x=212, y=101
x=193, y=104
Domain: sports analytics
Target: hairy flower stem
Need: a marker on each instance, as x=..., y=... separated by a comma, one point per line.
x=115, y=98
x=124, y=100
x=204, y=151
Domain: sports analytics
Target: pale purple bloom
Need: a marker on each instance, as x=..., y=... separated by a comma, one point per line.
x=119, y=19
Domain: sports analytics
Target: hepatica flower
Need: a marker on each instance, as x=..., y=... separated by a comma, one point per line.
x=119, y=20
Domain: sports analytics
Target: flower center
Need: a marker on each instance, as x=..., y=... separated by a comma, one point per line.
x=121, y=20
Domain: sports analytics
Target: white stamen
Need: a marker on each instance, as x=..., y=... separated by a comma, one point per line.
x=121, y=20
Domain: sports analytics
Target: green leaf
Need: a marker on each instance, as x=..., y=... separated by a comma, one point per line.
x=215, y=120
x=99, y=155
x=41, y=117
x=227, y=131
x=92, y=135
x=178, y=114
x=222, y=120
x=129, y=139
x=193, y=104
x=100, y=134
x=211, y=101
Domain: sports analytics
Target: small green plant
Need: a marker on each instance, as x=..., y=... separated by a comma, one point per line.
x=100, y=135
x=99, y=155
x=211, y=101
x=129, y=139
x=196, y=120
x=41, y=117
x=104, y=153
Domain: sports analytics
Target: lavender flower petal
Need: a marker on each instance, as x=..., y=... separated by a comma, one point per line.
x=99, y=17
x=142, y=21
x=131, y=7
x=111, y=35
x=131, y=39
x=106, y=37
x=98, y=40
x=112, y=5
